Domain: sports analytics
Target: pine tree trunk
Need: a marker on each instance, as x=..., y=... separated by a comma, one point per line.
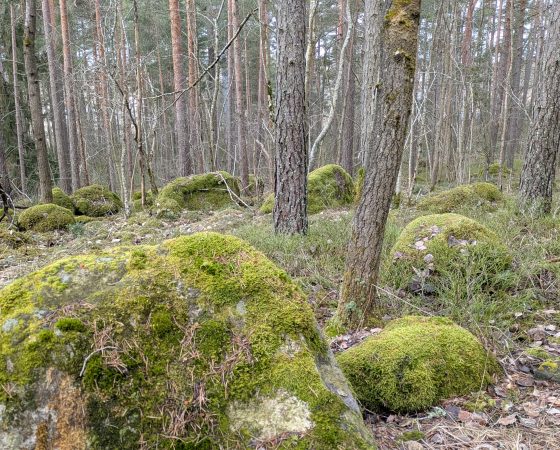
x=290, y=209
x=34, y=92
x=391, y=45
x=537, y=177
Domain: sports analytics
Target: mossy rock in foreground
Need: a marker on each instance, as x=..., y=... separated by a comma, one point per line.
x=437, y=251
x=199, y=343
x=416, y=362
x=476, y=194
x=96, y=201
x=205, y=192
x=46, y=217
x=61, y=198
x=327, y=187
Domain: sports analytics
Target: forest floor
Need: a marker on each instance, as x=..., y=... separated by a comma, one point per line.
x=521, y=411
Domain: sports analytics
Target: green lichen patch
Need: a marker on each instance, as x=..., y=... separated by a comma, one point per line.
x=477, y=194
x=442, y=253
x=96, y=201
x=327, y=187
x=205, y=192
x=182, y=342
x=415, y=362
x=43, y=218
x=60, y=198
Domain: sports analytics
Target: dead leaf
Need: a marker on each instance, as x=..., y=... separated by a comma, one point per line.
x=464, y=416
x=507, y=420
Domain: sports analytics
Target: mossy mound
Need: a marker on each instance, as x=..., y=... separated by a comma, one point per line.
x=415, y=362
x=60, y=198
x=206, y=192
x=200, y=341
x=476, y=194
x=96, y=201
x=137, y=201
x=46, y=217
x=13, y=239
x=435, y=251
x=327, y=187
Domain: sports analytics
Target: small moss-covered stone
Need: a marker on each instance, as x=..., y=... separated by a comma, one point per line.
x=206, y=192
x=200, y=340
x=415, y=362
x=327, y=187
x=96, y=201
x=477, y=194
x=47, y=217
x=60, y=198
x=438, y=249
x=13, y=239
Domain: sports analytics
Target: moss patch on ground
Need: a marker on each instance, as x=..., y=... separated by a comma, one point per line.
x=60, y=198
x=477, y=194
x=43, y=218
x=96, y=201
x=415, y=362
x=327, y=187
x=181, y=342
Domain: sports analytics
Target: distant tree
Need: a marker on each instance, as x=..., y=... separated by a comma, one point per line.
x=290, y=209
x=390, y=48
x=539, y=168
x=30, y=59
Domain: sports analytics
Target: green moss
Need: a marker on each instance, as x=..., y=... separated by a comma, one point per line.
x=206, y=192
x=137, y=201
x=13, y=239
x=202, y=327
x=47, y=217
x=477, y=194
x=85, y=219
x=448, y=254
x=96, y=201
x=414, y=435
x=60, y=198
x=415, y=362
x=327, y=187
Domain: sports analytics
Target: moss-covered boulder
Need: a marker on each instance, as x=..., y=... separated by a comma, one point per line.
x=415, y=362
x=205, y=192
x=13, y=239
x=46, y=217
x=440, y=253
x=476, y=194
x=60, y=198
x=96, y=201
x=327, y=187
x=200, y=342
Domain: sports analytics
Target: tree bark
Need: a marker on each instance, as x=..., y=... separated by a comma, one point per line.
x=290, y=209
x=391, y=45
x=539, y=168
x=34, y=92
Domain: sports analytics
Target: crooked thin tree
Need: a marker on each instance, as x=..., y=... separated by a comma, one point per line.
x=391, y=47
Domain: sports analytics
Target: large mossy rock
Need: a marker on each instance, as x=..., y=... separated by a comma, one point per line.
x=437, y=251
x=327, y=187
x=477, y=194
x=96, y=201
x=205, y=192
x=45, y=217
x=198, y=343
x=415, y=362
x=60, y=198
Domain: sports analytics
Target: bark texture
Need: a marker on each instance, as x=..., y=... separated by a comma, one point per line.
x=537, y=177
x=290, y=210
x=391, y=45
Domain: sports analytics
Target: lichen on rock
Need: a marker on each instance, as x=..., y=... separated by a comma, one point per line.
x=45, y=217
x=171, y=344
x=476, y=194
x=96, y=201
x=415, y=362
x=328, y=187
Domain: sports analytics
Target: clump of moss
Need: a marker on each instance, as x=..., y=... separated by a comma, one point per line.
x=477, y=194
x=43, y=218
x=96, y=201
x=200, y=340
x=494, y=169
x=13, y=239
x=415, y=362
x=137, y=201
x=60, y=198
x=327, y=187
x=206, y=192
x=447, y=252
x=415, y=435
